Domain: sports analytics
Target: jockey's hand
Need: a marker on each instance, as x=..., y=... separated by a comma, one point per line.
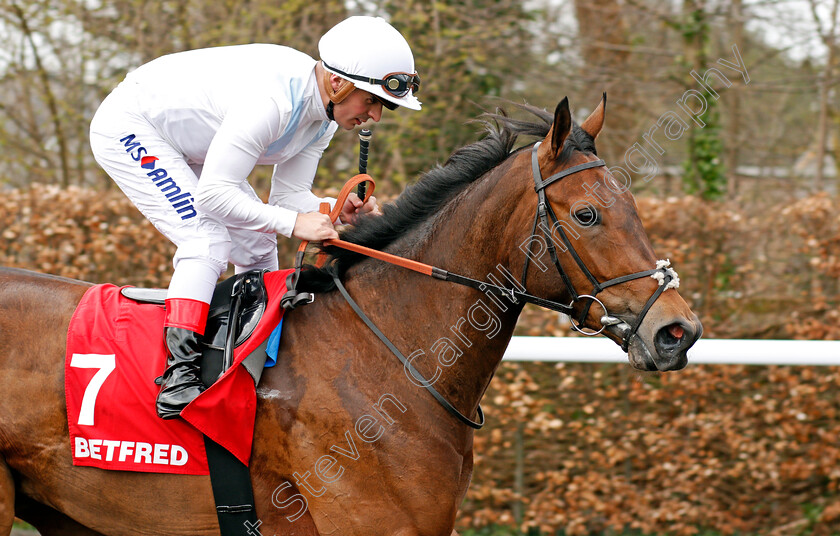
x=353, y=208
x=314, y=226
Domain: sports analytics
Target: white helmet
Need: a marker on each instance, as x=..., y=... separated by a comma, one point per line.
x=373, y=56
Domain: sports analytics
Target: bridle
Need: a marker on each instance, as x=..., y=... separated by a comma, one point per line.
x=545, y=215
x=666, y=277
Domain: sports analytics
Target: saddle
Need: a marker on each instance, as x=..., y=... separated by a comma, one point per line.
x=238, y=301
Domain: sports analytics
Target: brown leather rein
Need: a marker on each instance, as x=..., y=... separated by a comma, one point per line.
x=291, y=300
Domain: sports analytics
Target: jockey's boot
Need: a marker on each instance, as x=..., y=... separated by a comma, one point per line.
x=181, y=381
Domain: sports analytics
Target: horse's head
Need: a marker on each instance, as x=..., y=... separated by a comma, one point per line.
x=586, y=246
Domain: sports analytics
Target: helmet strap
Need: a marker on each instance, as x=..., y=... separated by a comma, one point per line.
x=344, y=89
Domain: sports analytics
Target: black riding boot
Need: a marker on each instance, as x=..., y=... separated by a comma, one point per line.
x=182, y=377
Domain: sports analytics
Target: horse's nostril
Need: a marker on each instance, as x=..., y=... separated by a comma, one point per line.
x=670, y=338
x=676, y=331
x=671, y=343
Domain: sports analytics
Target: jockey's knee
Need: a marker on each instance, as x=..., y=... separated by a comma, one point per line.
x=254, y=251
x=212, y=254
x=269, y=263
x=209, y=242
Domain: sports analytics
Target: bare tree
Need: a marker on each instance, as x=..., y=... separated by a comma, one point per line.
x=604, y=40
x=827, y=32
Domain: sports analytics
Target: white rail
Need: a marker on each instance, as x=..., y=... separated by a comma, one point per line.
x=705, y=351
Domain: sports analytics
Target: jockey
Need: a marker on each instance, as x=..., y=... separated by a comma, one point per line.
x=181, y=134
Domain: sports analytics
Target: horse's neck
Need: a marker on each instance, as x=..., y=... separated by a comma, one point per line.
x=453, y=331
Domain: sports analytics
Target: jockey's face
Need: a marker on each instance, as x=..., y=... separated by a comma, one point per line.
x=356, y=109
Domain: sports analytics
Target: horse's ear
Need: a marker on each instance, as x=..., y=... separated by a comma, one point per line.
x=560, y=129
x=595, y=122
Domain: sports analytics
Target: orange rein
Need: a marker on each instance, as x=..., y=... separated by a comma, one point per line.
x=336, y=212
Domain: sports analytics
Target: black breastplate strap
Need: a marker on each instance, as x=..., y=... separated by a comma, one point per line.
x=407, y=364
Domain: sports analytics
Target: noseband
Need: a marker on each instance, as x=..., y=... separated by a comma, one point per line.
x=667, y=279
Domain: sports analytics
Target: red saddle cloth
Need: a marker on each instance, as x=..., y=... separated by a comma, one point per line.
x=115, y=351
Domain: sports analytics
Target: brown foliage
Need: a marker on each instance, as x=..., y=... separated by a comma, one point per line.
x=761, y=271
x=729, y=448
x=756, y=271
x=83, y=234
x=726, y=448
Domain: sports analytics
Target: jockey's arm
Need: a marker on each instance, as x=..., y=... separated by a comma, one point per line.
x=289, y=191
x=291, y=183
x=224, y=193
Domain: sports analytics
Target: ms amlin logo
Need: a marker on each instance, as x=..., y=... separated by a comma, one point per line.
x=181, y=202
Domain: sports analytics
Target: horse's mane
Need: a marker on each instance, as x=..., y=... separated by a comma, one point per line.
x=437, y=187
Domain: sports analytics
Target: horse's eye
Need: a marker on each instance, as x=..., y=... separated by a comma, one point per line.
x=588, y=216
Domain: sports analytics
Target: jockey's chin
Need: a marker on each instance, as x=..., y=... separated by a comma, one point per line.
x=357, y=109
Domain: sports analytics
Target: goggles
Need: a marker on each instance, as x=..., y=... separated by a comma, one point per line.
x=395, y=84
x=386, y=103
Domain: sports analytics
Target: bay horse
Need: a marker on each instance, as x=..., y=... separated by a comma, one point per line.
x=346, y=442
